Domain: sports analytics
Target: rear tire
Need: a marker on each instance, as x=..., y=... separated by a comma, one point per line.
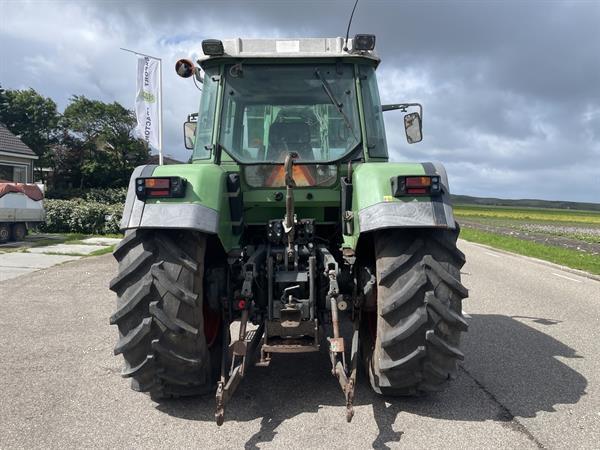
x=160, y=313
x=18, y=232
x=4, y=233
x=410, y=345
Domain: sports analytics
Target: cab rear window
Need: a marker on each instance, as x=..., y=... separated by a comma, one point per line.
x=305, y=175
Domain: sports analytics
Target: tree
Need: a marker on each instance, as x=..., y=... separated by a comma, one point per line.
x=99, y=137
x=90, y=145
x=32, y=117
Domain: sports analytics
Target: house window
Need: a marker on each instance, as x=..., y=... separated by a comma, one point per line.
x=6, y=172
x=17, y=174
x=20, y=174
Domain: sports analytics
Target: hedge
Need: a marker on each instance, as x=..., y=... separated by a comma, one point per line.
x=82, y=216
x=102, y=195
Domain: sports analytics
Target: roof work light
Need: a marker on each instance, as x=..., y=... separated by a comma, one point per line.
x=363, y=42
x=212, y=47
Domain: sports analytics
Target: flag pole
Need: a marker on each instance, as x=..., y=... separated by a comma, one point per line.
x=160, y=116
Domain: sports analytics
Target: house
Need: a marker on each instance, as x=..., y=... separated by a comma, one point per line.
x=153, y=159
x=16, y=159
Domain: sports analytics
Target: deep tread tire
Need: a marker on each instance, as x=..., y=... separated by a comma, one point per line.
x=160, y=313
x=18, y=232
x=412, y=345
x=4, y=232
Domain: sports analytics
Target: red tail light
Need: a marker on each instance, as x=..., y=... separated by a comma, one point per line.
x=418, y=182
x=157, y=183
x=158, y=193
x=160, y=187
x=416, y=185
x=416, y=191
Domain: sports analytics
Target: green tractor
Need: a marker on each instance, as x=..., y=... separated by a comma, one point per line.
x=289, y=219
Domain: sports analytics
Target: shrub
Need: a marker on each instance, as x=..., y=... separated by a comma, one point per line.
x=63, y=194
x=81, y=216
x=103, y=195
x=110, y=196
x=91, y=211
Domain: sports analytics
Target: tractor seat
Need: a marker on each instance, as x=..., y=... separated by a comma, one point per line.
x=285, y=137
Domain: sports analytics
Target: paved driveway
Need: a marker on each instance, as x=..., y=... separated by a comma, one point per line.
x=30, y=259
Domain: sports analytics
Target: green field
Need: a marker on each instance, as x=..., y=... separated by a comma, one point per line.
x=563, y=236
x=565, y=257
x=529, y=214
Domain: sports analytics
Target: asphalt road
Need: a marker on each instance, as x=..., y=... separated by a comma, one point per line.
x=531, y=376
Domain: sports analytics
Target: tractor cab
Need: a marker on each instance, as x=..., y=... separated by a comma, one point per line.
x=263, y=99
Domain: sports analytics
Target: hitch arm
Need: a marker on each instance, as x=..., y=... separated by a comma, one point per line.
x=241, y=349
x=347, y=380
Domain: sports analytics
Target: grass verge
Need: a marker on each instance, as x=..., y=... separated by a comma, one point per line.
x=99, y=252
x=103, y=251
x=570, y=258
x=87, y=236
x=48, y=239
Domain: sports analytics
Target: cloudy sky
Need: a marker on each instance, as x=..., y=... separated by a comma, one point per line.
x=511, y=89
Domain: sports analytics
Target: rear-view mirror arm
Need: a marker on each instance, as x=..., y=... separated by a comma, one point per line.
x=402, y=107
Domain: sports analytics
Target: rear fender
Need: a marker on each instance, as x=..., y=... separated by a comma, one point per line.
x=375, y=207
x=204, y=208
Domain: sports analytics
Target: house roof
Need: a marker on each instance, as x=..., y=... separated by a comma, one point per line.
x=9, y=143
x=153, y=159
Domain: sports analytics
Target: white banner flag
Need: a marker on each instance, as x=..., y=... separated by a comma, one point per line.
x=146, y=102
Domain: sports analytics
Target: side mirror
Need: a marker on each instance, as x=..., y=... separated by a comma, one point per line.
x=413, y=122
x=189, y=134
x=413, y=127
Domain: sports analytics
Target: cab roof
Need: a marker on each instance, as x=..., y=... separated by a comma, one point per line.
x=289, y=48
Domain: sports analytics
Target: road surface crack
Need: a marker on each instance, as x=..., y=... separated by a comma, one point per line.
x=505, y=413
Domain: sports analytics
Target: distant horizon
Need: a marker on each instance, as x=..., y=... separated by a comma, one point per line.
x=528, y=200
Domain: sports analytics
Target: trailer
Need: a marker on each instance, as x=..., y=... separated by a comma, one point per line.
x=21, y=209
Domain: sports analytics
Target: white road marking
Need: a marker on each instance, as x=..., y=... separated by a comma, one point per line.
x=565, y=277
x=492, y=254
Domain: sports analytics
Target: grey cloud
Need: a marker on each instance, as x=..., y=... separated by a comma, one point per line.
x=510, y=88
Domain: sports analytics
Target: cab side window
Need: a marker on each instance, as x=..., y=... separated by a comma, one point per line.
x=373, y=114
